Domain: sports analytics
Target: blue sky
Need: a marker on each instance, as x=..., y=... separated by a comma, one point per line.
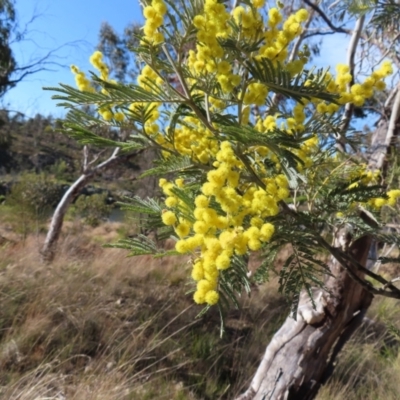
x=73, y=26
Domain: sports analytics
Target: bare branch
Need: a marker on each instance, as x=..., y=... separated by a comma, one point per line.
x=302, y=36
x=379, y=149
x=351, y=53
x=325, y=18
x=85, y=157
x=48, y=249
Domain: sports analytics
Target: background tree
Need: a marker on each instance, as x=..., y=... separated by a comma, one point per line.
x=262, y=153
x=7, y=61
x=11, y=32
x=116, y=50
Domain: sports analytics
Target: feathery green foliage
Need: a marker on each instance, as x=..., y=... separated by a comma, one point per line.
x=245, y=135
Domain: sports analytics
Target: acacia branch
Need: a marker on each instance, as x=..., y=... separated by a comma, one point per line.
x=347, y=262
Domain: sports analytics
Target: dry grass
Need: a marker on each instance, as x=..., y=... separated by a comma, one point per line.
x=98, y=325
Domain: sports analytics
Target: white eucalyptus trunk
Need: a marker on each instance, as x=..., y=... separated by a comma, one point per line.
x=48, y=250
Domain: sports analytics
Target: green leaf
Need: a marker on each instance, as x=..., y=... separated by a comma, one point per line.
x=279, y=80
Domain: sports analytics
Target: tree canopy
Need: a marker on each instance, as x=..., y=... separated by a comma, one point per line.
x=7, y=61
x=253, y=142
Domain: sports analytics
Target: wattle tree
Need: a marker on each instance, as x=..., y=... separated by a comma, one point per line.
x=255, y=153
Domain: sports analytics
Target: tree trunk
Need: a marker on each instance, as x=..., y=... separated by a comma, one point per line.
x=49, y=247
x=48, y=250
x=300, y=357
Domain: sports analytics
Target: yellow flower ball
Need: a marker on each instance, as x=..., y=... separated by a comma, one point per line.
x=200, y=227
x=181, y=247
x=149, y=12
x=183, y=229
x=274, y=17
x=205, y=286
x=393, y=196
x=301, y=15
x=212, y=297
x=254, y=244
x=119, y=116
x=180, y=182
x=168, y=218
x=380, y=85
x=197, y=272
x=202, y=201
x=159, y=7
x=107, y=115
x=266, y=232
x=258, y=3
x=199, y=297
x=223, y=261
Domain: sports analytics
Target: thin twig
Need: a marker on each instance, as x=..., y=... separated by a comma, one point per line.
x=177, y=72
x=325, y=18
x=389, y=49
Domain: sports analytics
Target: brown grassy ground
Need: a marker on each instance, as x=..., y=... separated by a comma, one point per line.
x=98, y=325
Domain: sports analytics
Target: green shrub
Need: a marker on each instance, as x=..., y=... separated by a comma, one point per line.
x=92, y=209
x=60, y=170
x=31, y=201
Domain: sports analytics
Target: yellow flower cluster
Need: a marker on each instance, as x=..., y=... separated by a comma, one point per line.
x=147, y=78
x=365, y=90
x=107, y=113
x=81, y=81
x=84, y=84
x=192, y=139
x=363, y=177
x=360, y=175
x=295, y=123
x=154, y=15
x=208, y=57
x=256, y=94
x=266, y=125
x=230, y=214
x=359, y=92
x=277, y=41
x=306, y=151
x=258, y=3
x=379, y=202
x=393, y=196
x=218, y=235
x=249, y=19
x=96, y=60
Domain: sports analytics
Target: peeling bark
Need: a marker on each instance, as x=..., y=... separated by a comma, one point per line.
x=297, y=359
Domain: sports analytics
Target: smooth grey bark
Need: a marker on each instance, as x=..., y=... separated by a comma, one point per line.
x=387, y=129
x=48, y=250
